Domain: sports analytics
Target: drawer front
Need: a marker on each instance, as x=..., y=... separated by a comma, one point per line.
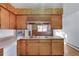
x=45, y=40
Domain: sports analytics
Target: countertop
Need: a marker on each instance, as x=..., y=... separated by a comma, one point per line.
x=7, y=41
x=43, y=37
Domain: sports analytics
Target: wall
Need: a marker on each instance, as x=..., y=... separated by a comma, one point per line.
x=71, y=24
x=70, y=8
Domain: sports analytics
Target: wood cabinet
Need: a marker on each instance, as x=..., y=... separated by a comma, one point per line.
x=21, y=48
x=44, y=48
x=12, y=21
x=57, y=47
x=1, y=51
x=21, y=22
x=4, y=18
x=40, y=47
x=56, y=21
x=7, y=19
x=26, y=47
x=32, y=48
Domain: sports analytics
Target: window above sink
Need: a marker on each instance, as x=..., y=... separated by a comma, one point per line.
x=43, y=27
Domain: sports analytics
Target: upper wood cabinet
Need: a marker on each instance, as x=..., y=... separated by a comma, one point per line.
x=7, y=16
x=12, y=21
x=21, y=22
x=56, y=22
x=4, y=18
x=7, y=19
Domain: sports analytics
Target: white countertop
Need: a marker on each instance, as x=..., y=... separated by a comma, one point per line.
x=7, y=41
x=6, y=37
x=43, y=37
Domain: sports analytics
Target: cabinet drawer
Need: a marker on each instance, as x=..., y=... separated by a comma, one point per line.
x=45, y=40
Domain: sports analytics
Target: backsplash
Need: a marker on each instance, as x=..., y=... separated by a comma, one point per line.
x=59, y=32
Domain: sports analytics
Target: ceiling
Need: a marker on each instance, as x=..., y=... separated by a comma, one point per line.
x=37, y=5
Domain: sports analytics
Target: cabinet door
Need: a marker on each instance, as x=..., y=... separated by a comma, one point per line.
x=12, y=21
x=21, y=22
x=4, y=18
x=1, y=51
x=21, y=48
x=57, y=48
x=44, y=48
x=33, y=48
x=56, y=22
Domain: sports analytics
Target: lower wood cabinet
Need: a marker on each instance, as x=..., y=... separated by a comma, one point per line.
x=32, y=48
x=40, y=47
x=21, y=48
x=45, y=48
x=57, y=47
x=1, y=51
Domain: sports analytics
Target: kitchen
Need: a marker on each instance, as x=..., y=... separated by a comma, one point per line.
x=34, y=29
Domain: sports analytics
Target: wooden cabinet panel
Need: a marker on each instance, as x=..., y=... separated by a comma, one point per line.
x=41, y=48
x=57, y=47
x=45, y=41
x=33, y=48
x=21, y=48
x=25, y=47
x=45, y=48
x=56, y=22
x=18, y=48
x=21, y=22
x=1, y=51
x=12, y=21
x=4, y=19
x=7, y=16
x=9, y=7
